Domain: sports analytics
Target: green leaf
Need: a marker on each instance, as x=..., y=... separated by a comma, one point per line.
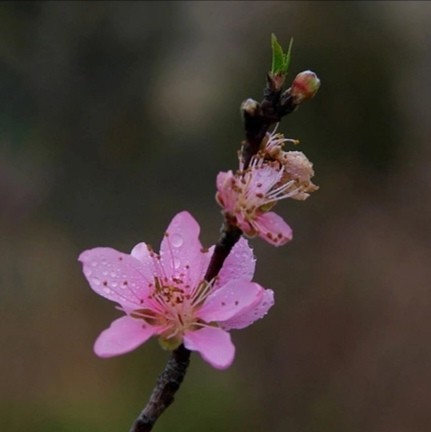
x=277, y=55
x=280, y=60
x=287, y=56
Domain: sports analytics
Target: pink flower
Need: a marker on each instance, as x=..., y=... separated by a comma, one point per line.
x=166, y=295
x=248, y=195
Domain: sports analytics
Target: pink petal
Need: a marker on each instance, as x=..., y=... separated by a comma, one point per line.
x=213, y=344
x=124, y=335
x=181, y=252
x=230, y=300
x=225, y=196
x=143, y=253
x=239, y=264
x=266, y=176
x=272, y=228
x=252, y=313
x=222, y=179
x=116, y=276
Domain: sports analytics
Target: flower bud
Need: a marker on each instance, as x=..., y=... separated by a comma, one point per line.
x=250, y=107
x=304, y=86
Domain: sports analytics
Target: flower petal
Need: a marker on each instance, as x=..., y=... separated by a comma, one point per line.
x=230, y=300
x=252, y=313
x=263, y=178
x=239, y=264
x=272, y=228
x=213, y=344
x=116, y=276
x=124, y=335
x=143, y=253
x=222, y=180
x=181, y=252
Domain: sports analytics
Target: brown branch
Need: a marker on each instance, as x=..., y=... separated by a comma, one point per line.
x=163, y=394
x=258, y=118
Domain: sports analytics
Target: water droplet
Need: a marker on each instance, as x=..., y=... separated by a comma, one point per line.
x=107, y=290
x=114, y=284
x=177, y=263
x=96, y=281
x=177, y=240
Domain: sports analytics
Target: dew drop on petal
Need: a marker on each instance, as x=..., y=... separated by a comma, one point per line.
x=177, y=240
x=107, y=290
x=177, y=263
x=114, y=284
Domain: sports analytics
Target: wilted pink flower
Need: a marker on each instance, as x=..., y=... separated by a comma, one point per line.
x=298, y=170
x=166, y=295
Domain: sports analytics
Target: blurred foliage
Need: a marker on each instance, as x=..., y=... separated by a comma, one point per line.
x=114, y=116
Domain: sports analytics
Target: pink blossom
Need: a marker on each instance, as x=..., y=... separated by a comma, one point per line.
x=248, y=196
x=165, y=294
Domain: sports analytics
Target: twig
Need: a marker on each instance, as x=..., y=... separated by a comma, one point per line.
x=258, y=118
x=163, y=393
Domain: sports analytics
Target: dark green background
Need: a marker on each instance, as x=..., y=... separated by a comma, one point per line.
x=115, y=116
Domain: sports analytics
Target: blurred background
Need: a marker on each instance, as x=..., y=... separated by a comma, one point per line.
x=116, y=116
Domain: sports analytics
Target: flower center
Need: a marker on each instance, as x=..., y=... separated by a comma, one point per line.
x=173, y=308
